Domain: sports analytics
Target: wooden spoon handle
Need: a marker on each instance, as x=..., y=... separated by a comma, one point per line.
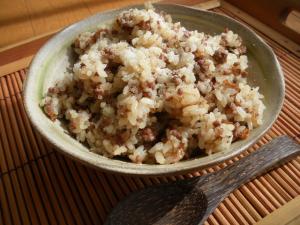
x=267, y=157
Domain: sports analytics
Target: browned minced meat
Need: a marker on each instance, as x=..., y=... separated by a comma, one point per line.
x=92, y=39
x=72, y=125
x=216, y=123
x=122, y=136
x=242, y=49
x=92, y=125
x=187, y=33
x=203, y=65
x=187, y=49
x=148, y=84
x=238, y=103
x=223, y=41
x=98, y=92
x=236, y=69
x=124, y=23
x=105, y=121
x=76, y=43
x=231, y=85
x=218, y=132
x=112, y=67
x=146, y=94
x=210, y=97
x=220, y=56
x=244, y=73
x=114, y=32
x=53, y=90
x=175, y=133
x=144, y=25
x=179, y=91
x=244, y=134
x=176, y=80
x=97, y=35
x=122, y=110
x=198, y=55
x=148, y=134
x=175, y=152
x=230, y=108
x=77, y=89
x=158, y=24
x=240, y=135
x=108, y=53
x=164, y=58
x=48, y=110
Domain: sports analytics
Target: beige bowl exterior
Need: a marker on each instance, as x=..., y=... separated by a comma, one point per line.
x=55, y=57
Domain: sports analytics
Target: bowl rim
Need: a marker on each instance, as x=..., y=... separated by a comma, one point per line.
x=129, y=168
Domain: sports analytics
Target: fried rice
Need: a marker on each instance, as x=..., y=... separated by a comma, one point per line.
x=146, y=89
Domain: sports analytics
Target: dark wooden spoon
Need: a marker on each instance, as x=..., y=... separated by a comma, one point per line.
x=191, y=201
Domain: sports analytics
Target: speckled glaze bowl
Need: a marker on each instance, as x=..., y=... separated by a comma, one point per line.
x=56, y=56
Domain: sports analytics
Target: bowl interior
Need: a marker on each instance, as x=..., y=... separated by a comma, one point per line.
x=54, y=59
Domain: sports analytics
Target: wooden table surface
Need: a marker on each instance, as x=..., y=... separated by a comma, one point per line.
x=25, y=19
x=22, y=20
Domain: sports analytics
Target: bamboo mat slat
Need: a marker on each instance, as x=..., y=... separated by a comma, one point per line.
x=40, y=186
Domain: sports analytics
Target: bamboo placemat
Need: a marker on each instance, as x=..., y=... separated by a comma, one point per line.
x=40, y=186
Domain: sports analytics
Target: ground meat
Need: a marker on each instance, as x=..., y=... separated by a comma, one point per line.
x=242, y=49
x=231, y=85
x=97, y=35
x=223, y=41
x=122, y=111
x=122, y=136
x=49, y=111
x=218, y=132
x=176, y=80
x=175, y=133
x=198, y=55
x=244, y=73
x=144, y=25
x=98, y=92
x=204, y=66
x=53, y=90
x=187, y=34
x=230, y=108
x=114, y=32
x=148, y=134
x=179, y=91
x=105, y=121
x=107, y=53
x=240, y=134
x=150, y=84
x=236, y=69
x=125, y=22
x=216, y=123
x=220, y=56
x=187, y=49
x=147, y=94
x=113, y=67
x=244, y=134
x=164, y=58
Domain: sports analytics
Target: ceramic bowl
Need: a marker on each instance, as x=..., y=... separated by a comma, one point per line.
x=56, y=56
